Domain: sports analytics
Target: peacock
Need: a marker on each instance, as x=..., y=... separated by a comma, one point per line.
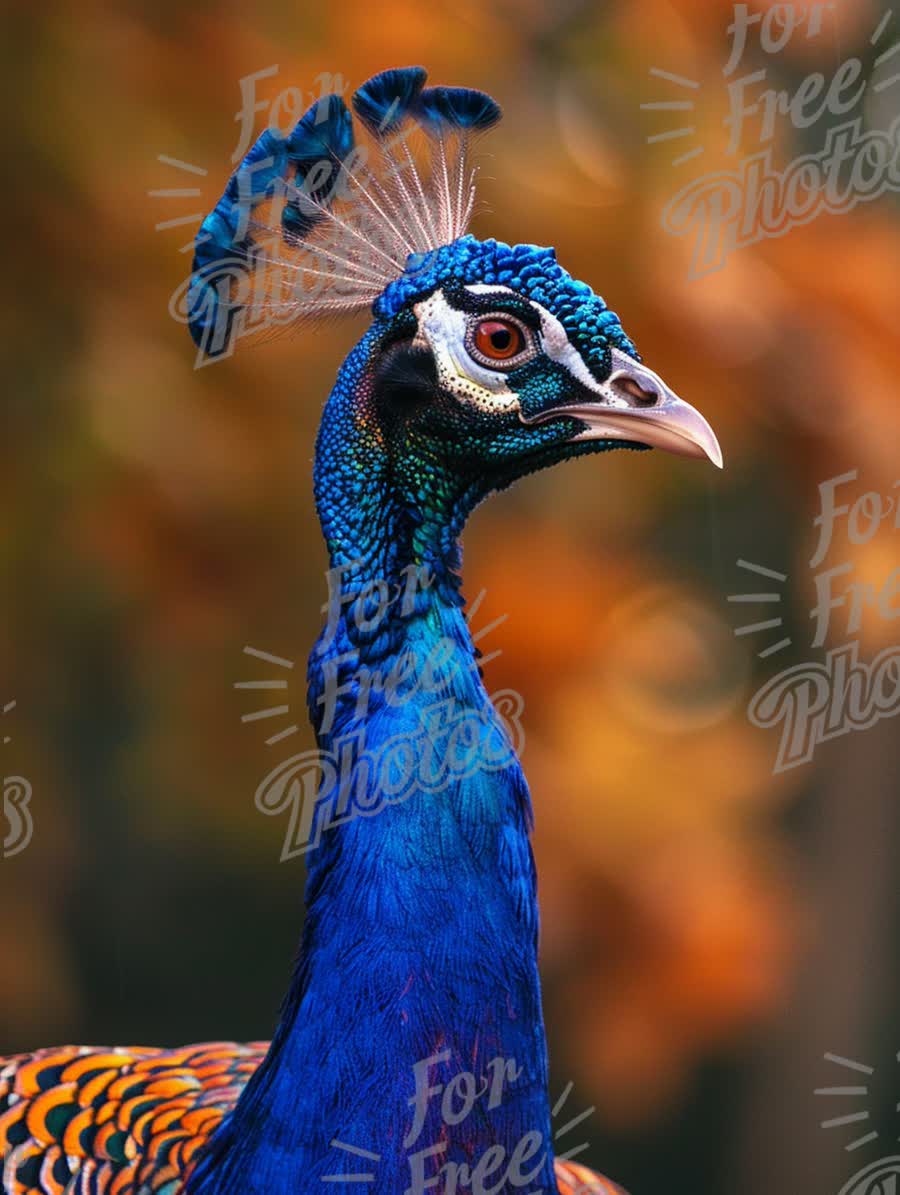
x=410, y=1054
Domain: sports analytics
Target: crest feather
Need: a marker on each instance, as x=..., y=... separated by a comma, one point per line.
x=458, y=108
x=313, y=224
x=320, y=141
x=384, y=101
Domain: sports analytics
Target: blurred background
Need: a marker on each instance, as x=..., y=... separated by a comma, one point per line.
x=712, y=928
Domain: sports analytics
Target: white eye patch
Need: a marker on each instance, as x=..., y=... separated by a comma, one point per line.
x=554, y=338
x=442, y=329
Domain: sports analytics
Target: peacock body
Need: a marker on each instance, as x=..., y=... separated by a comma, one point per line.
x=418, y=972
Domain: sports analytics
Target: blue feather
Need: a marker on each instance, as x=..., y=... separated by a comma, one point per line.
x=225, y=229
x=223, y=242
x=385, y=100
x=321, y=139
x=446, y=109
x=326, y=130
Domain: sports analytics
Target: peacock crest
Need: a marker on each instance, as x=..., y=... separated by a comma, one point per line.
x=320, y=221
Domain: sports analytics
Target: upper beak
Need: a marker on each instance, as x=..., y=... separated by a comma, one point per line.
x=635, y=404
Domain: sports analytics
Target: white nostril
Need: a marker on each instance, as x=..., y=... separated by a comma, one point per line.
x=637, y=394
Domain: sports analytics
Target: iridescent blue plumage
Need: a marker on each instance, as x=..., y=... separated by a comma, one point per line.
x=527, y=269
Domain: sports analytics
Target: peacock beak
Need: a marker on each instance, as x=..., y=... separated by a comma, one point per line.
x=635, y=404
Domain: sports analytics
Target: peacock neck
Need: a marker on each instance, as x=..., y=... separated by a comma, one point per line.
x=413, y=1027
x=382, y=514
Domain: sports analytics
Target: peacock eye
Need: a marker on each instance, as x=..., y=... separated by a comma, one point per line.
x=498, y=342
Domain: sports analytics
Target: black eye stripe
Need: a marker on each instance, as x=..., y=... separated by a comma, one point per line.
x=498, y=303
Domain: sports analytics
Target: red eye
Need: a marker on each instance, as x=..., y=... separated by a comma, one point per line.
x=498, y=339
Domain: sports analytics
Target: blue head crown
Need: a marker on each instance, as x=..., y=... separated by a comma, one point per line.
x=531, y=271
x=319, y=222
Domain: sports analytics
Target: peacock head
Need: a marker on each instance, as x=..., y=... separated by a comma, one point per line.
x=485, y=361
x=495, y=357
